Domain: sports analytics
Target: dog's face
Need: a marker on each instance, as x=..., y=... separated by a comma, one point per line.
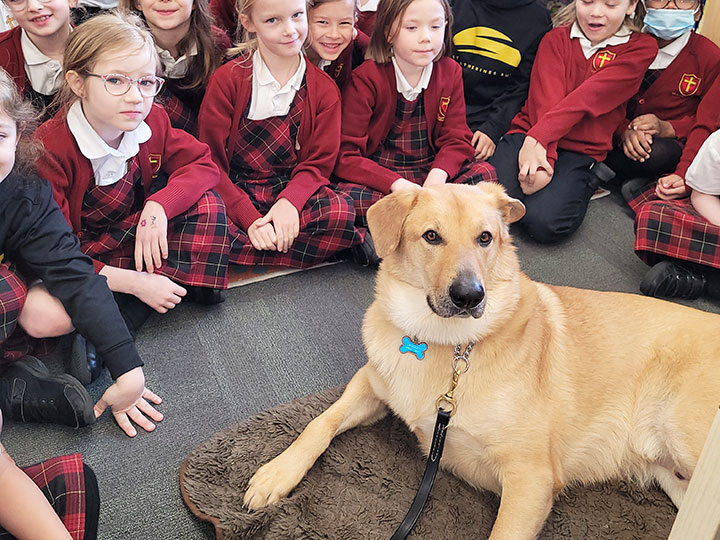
x=449, y=242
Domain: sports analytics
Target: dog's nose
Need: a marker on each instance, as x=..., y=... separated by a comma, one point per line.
x=466, y=292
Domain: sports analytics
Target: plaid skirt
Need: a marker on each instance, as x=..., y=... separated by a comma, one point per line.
x=197, y=240
x=181, y=115
x=63, y=482
x=673, y=229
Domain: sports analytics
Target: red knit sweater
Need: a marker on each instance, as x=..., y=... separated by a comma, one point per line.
x=342, y=67
x=12, y=59
x=226, y=99
x=369, y=111
x=187, y=162
x=676, y=94
x=576, y=103
x=707, y=121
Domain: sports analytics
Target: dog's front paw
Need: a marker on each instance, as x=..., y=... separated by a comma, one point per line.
x=272, y=482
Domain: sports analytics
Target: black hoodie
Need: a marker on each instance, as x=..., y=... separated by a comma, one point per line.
x=495, y=42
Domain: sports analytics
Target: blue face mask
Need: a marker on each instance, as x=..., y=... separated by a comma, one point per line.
x=669, y=23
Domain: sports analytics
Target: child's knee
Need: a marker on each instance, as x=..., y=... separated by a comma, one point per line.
x=43, y=315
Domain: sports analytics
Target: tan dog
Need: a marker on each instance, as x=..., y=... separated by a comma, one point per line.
x=565, y=386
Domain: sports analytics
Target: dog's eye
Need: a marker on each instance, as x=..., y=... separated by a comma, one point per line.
x=431, y=237
x=485, y=238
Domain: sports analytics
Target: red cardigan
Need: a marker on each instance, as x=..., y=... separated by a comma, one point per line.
x=12, y=59
x=369, y=103
x=707, y=122
x=351, y=57
x=187, y=162
x=226, y=99
x=675, y=96
x=576, y=103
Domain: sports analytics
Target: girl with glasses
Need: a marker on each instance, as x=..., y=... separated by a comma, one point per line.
x=190, y=50
x=654, y=142
x=32, y=52
x=135, y=190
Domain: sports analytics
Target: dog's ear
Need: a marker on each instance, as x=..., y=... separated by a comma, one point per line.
x=512, y=209
x=387, y=217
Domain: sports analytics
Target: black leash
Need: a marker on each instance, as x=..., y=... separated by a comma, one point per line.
x=438, y=441
x=433, y=462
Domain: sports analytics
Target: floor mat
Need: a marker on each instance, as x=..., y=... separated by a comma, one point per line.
x=245, y=275
x=365, y=482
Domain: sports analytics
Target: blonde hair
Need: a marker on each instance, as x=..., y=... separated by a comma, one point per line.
x=387, y=26
x=567, y=16
x=208, y=59
x=112, y=31
x=246, y=40
x=26, y=118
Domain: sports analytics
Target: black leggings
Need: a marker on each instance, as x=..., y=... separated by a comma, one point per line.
x=664, y=157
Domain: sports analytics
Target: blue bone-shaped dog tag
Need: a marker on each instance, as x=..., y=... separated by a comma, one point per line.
x=418, y=349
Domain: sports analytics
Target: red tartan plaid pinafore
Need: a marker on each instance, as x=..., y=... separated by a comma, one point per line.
x=197, y=240
x=673, y=229
x=262, y=164
x=407, y=151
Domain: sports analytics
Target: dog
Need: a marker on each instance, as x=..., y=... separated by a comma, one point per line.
x=564, y=387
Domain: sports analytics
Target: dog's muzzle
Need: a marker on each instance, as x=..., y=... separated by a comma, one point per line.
x=464, y=298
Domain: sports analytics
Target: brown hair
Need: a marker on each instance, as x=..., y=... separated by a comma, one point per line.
x=26, y=118
x=567, y=16
x=387, y=25
x=112, y=31
x=200, y=34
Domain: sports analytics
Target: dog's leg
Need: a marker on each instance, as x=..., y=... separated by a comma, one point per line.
x=674, y=486
x=358, y=405
x=526, y=500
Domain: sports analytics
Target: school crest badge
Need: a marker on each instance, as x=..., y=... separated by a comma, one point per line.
x=155, y=163
x=442, y=110
x=602, y=58
x=689, y=84
x=338, y=70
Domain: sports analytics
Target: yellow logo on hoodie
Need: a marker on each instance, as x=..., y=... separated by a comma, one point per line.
x=485, y=41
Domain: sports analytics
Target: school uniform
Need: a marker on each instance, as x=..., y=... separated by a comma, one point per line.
x=36, y=76
x=181, y=102
x=674, y=229
x=675, y=84
x=391, y=131
x=225, y=16
x=576, y=100
x=367, y=14
x=102, y=192
x=35, y=240
x=351, y=57
x=270, y=143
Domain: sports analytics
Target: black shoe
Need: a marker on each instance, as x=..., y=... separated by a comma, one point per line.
x=667, y=279
x=205, y=295
x=364, y=254
x=634, y=187
x=29, y=393
x=85, y=363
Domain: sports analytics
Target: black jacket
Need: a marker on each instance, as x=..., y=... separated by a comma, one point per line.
x=495, y=42
x=34, y=235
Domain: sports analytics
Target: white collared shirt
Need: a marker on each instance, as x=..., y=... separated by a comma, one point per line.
x=669, y=52
x=620, y=37
x=175, y=68
x=322, y=64
x=43, y=72
x=109, y=164
x=702, y=175
x=371, y=5
x=403, y=86
x=268, y=97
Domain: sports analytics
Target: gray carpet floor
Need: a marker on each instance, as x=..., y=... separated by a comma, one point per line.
x=269, y=343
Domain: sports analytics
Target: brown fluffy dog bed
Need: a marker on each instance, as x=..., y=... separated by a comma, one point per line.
x=365, y=482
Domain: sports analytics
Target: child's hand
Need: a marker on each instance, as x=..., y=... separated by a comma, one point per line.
x=542, y=179
x=127, y=400
x=286, y=221
x=158, y=292
x=484, y=147
x=436, y=177
x=532, y=158
x=636, y=144
x=262, y=237
x=671, y=187
x=151, y=245
x=652, y=125
x=401, y=183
